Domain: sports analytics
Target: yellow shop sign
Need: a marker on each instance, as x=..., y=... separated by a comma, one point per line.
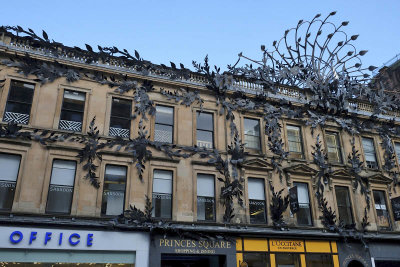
x=281, y=245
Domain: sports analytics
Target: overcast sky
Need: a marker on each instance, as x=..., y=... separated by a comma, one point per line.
x=182, y=31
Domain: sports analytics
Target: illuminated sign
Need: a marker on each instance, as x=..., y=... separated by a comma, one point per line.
x=73, y=239
x=187, y=246
x=286, y=245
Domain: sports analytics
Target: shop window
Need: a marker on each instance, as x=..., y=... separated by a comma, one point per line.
x=319, y=260
x=19, y=102
x=164, y=125
x=113, y=201
x=304, y=213
x=72, y=111
x=9, y=167
x=333, y=147
x=256, y=259
x=162, y=194
x=252, y=133
x=61, y=187
x=205, y=130
x=382, y=214
x=120, y=119
x=294, y=141
x=257, y=200
x=397, y=148
x=287, y=259
x=344, y=205
x=205, y=197
x=369, y=153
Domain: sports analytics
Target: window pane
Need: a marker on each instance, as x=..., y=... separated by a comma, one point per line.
x=74, y=101
x=381, y=210
x=333, y=145
x=9, y=166
x=319, y=260
x=114, y=190
x=344, y=205
x=397, y=147
x=21, y=92
x=252, y=141
x=162, y=194
x=205, y=208
x=254, y=259
x=120, y=123
x=256, y=189
x=67, y=115
x=205, y=185
x=251, y=127
x=257, y=211
x=294, y=139
x=7, y=190
x=204, y=139
x=205, y=121
x=287, y=260
x=163, y=133
x=61, y=187
x=304, y=214
x=121, y=108
x=302, y=193
x=18, y=108
x=164, y=115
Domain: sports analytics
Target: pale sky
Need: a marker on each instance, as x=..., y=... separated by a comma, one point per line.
x=182, y=31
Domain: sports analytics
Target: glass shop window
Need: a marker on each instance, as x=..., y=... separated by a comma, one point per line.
x=256, y=259
x=72, y=111
x=319, y=260
x=304, y=213
x=382, y=213
x=333, y=147
x=61, y=187
x=257, y=207
x=344, y=205
x=294, y=141
x=162, y=194
x=369, y=153
x=19, y=102
x=205, y=130
x=252, y=133
x=9, y=168
x=205, y=197
x=164, y=125
x=287, y=260
x=120, y=119
x=114, y=190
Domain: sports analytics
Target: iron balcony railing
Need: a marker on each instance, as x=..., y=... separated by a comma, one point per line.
x=119, y=132
x=75, y=126
x=19, y=118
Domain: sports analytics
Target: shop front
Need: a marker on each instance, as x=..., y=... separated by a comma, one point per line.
x=181, y=252
x=26, y=246
x=266, y=252
x=385, y=254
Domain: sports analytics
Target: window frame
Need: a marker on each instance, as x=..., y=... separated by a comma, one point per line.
x=125, y=191
x=160, y=168
x=339, y=146
x=302, y=142
x=388, y=209
x=73, y=188
x=196, y=112
x=254, y=150
x=310, y=206
x=173, y=122
x=215, y=197
x=351, y=208
x=16, y=181
x=375, y=153
x=255, y=177
x=71, y=110
x=130, y=115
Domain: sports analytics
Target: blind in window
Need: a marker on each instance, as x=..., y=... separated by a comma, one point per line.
x=63, y=172
x=162, y=182
x=302, y=193
x=9, y=166
x=256, y=189
x=74, y=95
x=115, y=173
x=205, y=185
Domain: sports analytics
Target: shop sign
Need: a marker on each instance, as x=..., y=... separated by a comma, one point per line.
x=277, y=245
x=188, y=246
x=294, y=200
x=396, y=208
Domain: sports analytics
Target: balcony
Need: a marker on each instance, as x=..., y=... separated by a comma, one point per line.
x=205, y=144
x=74, y=126
x=124, y=133
x=19, y=118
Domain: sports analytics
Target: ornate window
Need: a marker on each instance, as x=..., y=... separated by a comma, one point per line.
x=113, y=201
x=162, y=194
x=9, y=168
x=304, y=213
x=164, y=125
x=397, y=148
x=369, y=153
x=252, y=133
x=257, y=200
x=120, y=119
x=344, y=205
x=205, y=197
x=294, y=141
x=72, y=111
x=205, y=130
x=333, y=147
x=61, y=187
x=382, y=213
x=19, y=102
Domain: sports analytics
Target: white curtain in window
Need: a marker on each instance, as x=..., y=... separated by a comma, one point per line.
x=205, y=185
x=256, y=189
x=302, y=193
x=9, y=165
x=162, y=182
x=63, y=172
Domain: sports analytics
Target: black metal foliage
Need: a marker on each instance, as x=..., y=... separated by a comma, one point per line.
x=356, y=166
x=135, y=216
x=365, y=223
x=184, y=97
x=323, y=176
x=278, y=206
x=328, y=217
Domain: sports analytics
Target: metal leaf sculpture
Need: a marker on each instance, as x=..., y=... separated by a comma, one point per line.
x=277, y=207
x=323, y=176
